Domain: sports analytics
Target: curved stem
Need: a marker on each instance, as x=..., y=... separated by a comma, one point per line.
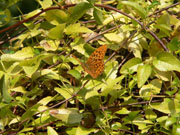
x=166, y=8
x=140, y=23
x=28, y=19
x=98, y=5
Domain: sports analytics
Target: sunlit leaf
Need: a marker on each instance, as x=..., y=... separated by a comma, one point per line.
x=56, y=32
x=149, y=114
x=65, y=92
x=84, y=131
x=130, y=66
x=153, y=87
x=4, y=84
x=19, y=89
x=45, y=100
x=98, y=16
x=49, y=45
x=70, y=116
x=167, y=106
x=76, y=28
x=143, y=74
x=166, y=62
x=5, y=17
x=51, y=131
x=56, y=16
x=45, y=3
x=78, y=11
x=25, y=53
x=75, y=74
x=139, y=9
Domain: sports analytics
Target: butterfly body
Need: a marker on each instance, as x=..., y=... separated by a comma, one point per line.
x=95, y=63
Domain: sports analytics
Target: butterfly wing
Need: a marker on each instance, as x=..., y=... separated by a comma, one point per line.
x=94, y=69
x=95, y=64
x=97, y=55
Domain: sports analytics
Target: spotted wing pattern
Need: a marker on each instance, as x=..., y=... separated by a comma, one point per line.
x=95, y=64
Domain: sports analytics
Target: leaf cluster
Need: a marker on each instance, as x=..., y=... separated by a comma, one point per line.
x=44, y=90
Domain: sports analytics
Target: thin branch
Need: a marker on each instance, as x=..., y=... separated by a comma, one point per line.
x=132, y=104
x=98, y=5
x=102, y=33
x=140, y=23
x=166, y=8
x=57, y=63
x=53, y=106
x=19, y=33
x=119, y=11
x=125, y=42
x=74, y=95
x=28, y=19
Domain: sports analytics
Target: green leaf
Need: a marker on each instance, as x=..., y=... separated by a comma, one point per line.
x=164, y=76
x=116, y=126
x=132, y=115
x=164, y=28
x=170, y=121
x=163, y=23
x=166, y=62
x=98, y=16
x=78, y=11
x=25, y=130
x=19, y=89
x=69, y=116
x=139, y=9
x=113, y=37
x=111, y=85
x=162, y=119
x=10, y=67
x=149, y=114
x=123, y=111
x=51, y=131
x=50, y=45
x=167, y=106
x=174, y=44
x=45, y=100
x=74, y=73
x=23, y=54
x=154, y=4
x=71, y=131
x=78, y=45
x=152, y=88
x=14, y=69
x=49, y=73
x=31, y=65
x=7, y=3
x=4, y=84
x=30, y=69
x=130, y=66
x=84, y=131
x=5, y=17
x=56, y=32
x=30, y=14
x=76, y=28
x=56, y=16
x=143, y=74
x=30, y=112
x=111, y=70
x=45, y=3
x=65, y=92
x=176, y=130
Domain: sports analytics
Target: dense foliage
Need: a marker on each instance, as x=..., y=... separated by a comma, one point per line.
x=44, y=90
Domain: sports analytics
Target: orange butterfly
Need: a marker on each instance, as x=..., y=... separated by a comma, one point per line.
x=95, y=64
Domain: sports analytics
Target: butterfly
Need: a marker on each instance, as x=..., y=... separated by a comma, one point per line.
x=95, y=63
